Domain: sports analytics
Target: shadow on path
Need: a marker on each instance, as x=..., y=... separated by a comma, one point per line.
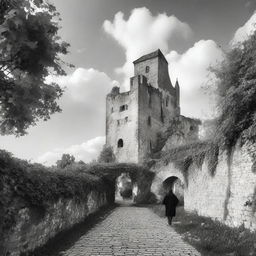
x=67, y=238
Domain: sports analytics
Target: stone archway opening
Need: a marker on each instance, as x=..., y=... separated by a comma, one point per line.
x=126, y=190
x=177, y=187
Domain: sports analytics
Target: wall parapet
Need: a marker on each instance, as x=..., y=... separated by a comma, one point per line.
x=37, y=204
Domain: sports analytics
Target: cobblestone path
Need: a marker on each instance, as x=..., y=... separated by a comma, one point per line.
x=131, y=231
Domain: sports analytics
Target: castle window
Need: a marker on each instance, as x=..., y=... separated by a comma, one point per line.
x=126, y=119
x=112, y=110
x=191, y=128
x=120, y=143
x=118, y=122
x=123, y=108
x=149, y=121
x=147, y=69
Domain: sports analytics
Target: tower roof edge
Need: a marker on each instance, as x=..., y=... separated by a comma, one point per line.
x=151, y=55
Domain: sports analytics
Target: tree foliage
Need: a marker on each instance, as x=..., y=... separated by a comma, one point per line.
x=66, y=160
x=237, y=94
x=29, y=51
x=107, y=155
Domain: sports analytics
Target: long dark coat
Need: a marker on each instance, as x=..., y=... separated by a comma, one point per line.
x=170, y=201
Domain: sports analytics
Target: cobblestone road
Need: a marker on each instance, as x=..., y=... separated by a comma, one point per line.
x=131, y=231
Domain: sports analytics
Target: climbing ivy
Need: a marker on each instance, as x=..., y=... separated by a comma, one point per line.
x=23, y=184
x=194, y=153
x=212, y=157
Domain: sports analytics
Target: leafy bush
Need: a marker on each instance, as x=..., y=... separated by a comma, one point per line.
x=139, y=174
x=237, y=93
x=113, y=170
x=24, y=184
x=65, y=161
x=107, y=155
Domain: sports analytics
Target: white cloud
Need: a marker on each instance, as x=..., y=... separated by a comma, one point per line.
x=83, y=104
x=86, y=86
x=143, y=33
x=83, y=116
x=83, y=111
x=86, y=152
x=192, y=70
x=245, y=31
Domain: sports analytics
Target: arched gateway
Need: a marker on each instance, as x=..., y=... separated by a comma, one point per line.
x=168, y=177
x=139, y=177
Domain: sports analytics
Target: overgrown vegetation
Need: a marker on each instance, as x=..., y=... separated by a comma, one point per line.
x=237, y=93
x=162, y=136
x=107, y=155
x=176, y=127
x=138, y=174
x=23, y=184
x=66, y=160
x=196, y=152
x=210, y=237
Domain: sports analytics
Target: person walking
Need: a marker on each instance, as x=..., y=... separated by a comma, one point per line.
x=170, y=201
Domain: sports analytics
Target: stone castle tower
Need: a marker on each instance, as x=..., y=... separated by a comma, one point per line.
x=134, y=118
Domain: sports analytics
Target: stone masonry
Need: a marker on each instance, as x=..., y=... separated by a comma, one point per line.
x=134, y=118
x=34, y=227
x=228, y=195
x=131, y=231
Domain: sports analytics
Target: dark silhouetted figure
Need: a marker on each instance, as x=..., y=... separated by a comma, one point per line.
x=170, y=201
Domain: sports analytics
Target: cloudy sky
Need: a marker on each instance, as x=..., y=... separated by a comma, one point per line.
x=105, y=37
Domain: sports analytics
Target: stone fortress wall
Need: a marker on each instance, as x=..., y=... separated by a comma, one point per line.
x=152, y=106
x=228, y=195
x=34, y=227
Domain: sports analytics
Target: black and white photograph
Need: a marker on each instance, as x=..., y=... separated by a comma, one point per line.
x=127, y=127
